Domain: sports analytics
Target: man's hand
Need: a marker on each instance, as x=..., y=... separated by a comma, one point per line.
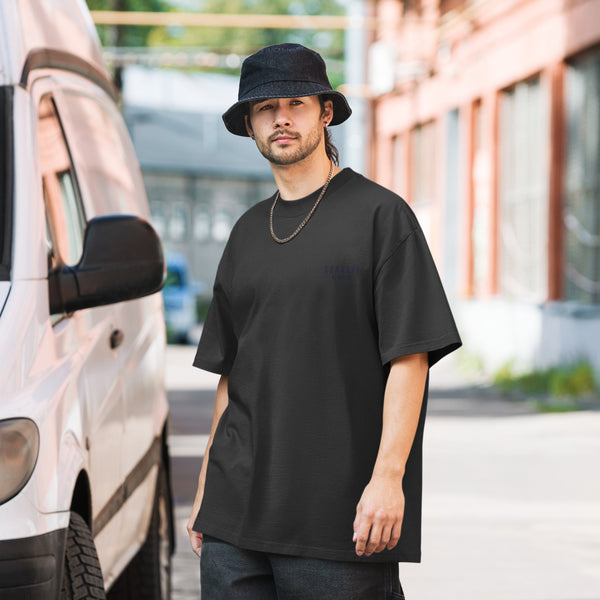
x=380, y=512
x=379, y=515
x=195, y=537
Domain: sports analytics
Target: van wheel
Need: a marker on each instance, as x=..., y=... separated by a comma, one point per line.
x=81, y=576
x=148, y=575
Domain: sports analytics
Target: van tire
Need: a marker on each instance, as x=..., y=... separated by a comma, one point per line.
x=148, y=575
x=81, y=575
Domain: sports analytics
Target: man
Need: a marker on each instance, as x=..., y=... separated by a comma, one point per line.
x=327, y=312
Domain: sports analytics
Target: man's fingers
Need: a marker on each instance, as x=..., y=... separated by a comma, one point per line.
x=374, y=538
x=386, y=533
x=395, y=536
x=196, y=542
x=361, y=541
x=362, y=534
x=375, y=534
x=356, y=524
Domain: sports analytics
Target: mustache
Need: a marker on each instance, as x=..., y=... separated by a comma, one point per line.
x=283, y=133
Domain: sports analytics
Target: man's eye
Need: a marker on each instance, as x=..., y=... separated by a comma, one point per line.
x=265, y=107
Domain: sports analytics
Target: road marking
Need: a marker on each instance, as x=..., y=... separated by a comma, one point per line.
x=187, y=445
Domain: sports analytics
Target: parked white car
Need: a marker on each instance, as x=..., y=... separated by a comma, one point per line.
x=85, y=503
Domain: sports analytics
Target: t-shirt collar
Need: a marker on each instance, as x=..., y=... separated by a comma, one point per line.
x=291, y=208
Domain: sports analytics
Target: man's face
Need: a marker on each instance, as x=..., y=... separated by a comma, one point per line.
x=287, y=130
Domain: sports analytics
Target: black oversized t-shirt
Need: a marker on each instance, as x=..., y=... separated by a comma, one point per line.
x=305, y=331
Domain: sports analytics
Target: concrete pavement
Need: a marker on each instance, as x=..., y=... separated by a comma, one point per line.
x=511, y=509
x=511, y=505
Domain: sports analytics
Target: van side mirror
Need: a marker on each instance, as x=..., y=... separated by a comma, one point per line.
x=122, y=259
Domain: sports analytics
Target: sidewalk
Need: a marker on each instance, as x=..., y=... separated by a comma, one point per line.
x=510, y=509
x=511, y=498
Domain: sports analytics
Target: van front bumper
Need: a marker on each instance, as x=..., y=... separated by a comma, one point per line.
x=31, y=568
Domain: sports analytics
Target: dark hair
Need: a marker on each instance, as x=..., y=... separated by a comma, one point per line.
x=330, y=149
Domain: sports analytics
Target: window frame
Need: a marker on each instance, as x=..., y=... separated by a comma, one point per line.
x=585, y=297
x=55, y=259
x=505, y=149
x=75, y=184
x=6, y=181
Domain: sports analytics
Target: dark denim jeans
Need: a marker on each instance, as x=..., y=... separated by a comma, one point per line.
x=231, y=573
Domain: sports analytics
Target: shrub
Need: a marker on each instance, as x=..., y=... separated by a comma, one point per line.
x=562, y=381
x=577, y=380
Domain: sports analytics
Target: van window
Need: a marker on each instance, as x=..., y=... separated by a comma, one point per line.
x=6, y=174
x=105, y=161
x=64, y=214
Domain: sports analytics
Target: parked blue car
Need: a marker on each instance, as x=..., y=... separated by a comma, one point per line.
x=179, y=295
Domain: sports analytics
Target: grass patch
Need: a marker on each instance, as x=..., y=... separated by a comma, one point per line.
x=566, y=383
x=552, y=406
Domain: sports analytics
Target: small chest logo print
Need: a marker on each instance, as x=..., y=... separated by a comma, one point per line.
x=341, y=272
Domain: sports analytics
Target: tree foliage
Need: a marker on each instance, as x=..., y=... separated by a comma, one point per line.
x=227, y=40
x=127, y=35
x=247, y=40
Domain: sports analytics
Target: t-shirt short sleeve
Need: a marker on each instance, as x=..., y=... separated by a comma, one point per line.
x=411, y=308
x=218, y=344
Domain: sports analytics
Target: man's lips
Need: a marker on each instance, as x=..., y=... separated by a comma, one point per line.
x=283, y=138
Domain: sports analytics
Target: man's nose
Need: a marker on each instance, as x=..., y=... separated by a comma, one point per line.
x=282, y=118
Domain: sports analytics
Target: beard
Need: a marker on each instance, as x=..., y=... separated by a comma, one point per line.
x=302, y=146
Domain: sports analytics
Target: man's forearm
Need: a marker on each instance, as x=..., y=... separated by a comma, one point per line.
x=401, y=409
x=380, y=511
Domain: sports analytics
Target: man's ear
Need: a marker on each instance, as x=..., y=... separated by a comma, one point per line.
x=327, y=112
x=248, y=128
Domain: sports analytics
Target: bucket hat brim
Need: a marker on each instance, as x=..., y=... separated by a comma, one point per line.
x=234, y=118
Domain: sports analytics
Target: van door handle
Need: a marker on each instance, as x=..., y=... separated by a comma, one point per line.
x=116, y=338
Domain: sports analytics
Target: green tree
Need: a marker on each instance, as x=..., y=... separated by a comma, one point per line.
x=125, y=35
x=244, y=41
x=227, y=40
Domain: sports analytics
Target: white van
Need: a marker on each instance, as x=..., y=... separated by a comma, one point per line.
x=85, y=503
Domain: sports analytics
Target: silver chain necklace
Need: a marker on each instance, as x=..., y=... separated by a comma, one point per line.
x=287, y=239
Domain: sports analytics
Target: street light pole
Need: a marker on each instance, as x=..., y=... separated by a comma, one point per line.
x=356, y=128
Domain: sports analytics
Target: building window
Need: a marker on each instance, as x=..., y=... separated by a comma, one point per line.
x=523, y=191
x=201, y=224
x=221, y=226
x=399, y=160
x=480, y=182
x=582, y=180
x=423, y=165
x=158, y=218
x=178, y=223
x=452, y=193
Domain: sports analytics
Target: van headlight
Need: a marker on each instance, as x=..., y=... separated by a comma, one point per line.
x=19, y=445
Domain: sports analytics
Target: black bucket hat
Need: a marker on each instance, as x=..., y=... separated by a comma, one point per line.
x=283, y=71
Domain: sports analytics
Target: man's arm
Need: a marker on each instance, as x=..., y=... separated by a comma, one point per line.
x=380, y=511
x=221, y=402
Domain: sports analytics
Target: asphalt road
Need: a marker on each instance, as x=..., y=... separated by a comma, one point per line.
x=191, y=398
x=511, y=506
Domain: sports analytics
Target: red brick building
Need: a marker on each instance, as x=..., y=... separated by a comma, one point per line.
x=489, y=125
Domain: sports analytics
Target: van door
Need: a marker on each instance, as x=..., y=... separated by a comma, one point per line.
x=100, y=409
x=109, y=174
